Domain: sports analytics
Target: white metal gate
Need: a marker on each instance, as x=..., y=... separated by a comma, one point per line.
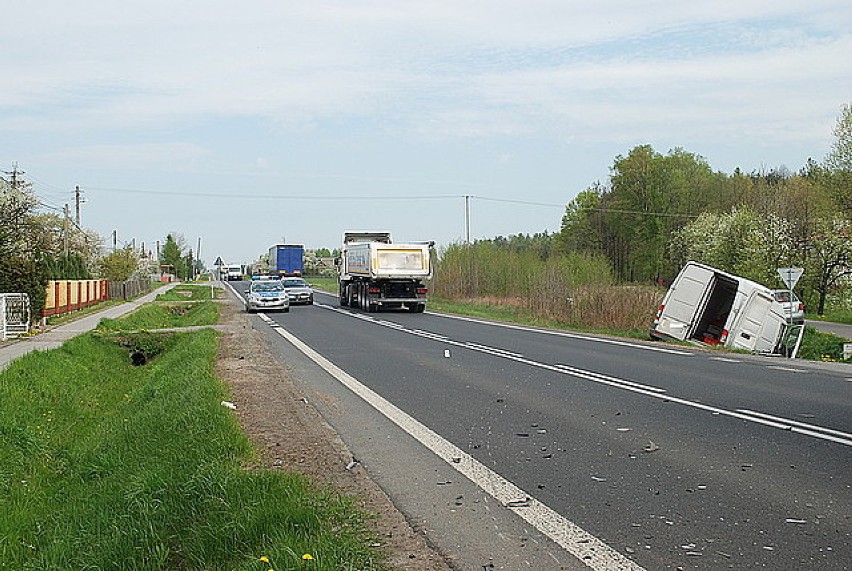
x=14, y=314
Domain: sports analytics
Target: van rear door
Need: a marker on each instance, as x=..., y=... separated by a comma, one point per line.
x=686, y=296
x=757, y=327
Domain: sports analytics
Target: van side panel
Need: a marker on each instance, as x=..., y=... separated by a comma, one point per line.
x=683, y=301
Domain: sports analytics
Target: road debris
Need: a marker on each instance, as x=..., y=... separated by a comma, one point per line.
x=525, y=503
x=651, y=447
x=229, y=404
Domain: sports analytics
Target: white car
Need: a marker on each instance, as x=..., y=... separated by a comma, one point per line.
x=793, y=310
x=267, y=296
x=299, y=290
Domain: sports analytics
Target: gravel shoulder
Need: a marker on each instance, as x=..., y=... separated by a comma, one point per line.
x=292, y=436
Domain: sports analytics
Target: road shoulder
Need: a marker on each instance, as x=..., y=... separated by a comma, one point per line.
x=292, y=436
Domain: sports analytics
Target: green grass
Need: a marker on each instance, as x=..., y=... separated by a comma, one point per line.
x=324, y=284
x=108, y=466
x=163, y=315
x=186, y=292
x=835, y=315
x=817, y=346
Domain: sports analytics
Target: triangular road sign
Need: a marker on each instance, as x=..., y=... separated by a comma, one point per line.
x=218, y=261
x=790, y=276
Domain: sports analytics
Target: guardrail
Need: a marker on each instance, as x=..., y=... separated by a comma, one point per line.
x=14, y=314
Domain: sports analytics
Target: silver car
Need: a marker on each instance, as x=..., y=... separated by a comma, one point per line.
x=794, y=310
x=299, y=290
x=267, y=296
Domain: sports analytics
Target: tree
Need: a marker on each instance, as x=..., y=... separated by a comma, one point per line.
x=581, y=229
x=119, y=266
x=741, y=242
x=172, y=256
x=839, y=162
x=650, y=196
x=830, y=257
x=840, y=156
x=20, y=254
x=18, y=205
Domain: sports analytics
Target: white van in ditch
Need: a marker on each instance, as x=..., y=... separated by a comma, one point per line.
x=711, y=307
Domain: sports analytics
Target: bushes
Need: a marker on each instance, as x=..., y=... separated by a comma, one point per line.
x=575, y=289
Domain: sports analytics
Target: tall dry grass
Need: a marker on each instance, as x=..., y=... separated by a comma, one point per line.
x=574, y=289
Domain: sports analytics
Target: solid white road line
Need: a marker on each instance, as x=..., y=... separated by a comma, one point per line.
x=565, y=334
x=805, y=428
x=587, y=548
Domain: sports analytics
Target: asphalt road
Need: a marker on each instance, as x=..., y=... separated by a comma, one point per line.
x=840, y=329
x=526, y=449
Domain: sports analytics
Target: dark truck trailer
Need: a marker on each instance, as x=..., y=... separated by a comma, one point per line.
x=286, y=260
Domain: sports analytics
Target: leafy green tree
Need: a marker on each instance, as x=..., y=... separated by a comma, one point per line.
x=70, y=266
x=172, y=256
x=840, y=156
x=582, y=223
x=119, y=266
x=22, y=274
x=830, y=257
x=839, y=162
x=649, y=196
x=741, y=242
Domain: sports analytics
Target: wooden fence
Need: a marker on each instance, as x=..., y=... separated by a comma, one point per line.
x=129, y=289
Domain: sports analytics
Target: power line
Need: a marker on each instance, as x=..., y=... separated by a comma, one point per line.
x=270, y=196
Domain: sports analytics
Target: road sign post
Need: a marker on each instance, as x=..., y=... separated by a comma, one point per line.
x=790, y=277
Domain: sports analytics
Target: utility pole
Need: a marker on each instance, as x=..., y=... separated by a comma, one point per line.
x=65, y=228
x=467, y=218
x=114, y=239
x=198, y=250
x=77, y=201
x=13, y=183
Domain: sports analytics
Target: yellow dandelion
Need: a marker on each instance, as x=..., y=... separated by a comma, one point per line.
x=265, y=559
x=307, y=557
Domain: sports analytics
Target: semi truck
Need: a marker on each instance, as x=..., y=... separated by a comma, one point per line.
x=708, y=306
x=231, y=272
x=375, y=273
x=286, y=260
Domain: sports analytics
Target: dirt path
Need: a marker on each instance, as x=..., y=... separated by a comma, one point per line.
x=292, y=436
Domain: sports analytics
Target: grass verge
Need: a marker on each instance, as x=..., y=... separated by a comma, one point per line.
x=188, y=292
x=163, y=315
x=817, y=346
x=104, y=465
x=835, y=316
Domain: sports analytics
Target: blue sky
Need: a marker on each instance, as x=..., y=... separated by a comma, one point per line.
x=246, y=124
